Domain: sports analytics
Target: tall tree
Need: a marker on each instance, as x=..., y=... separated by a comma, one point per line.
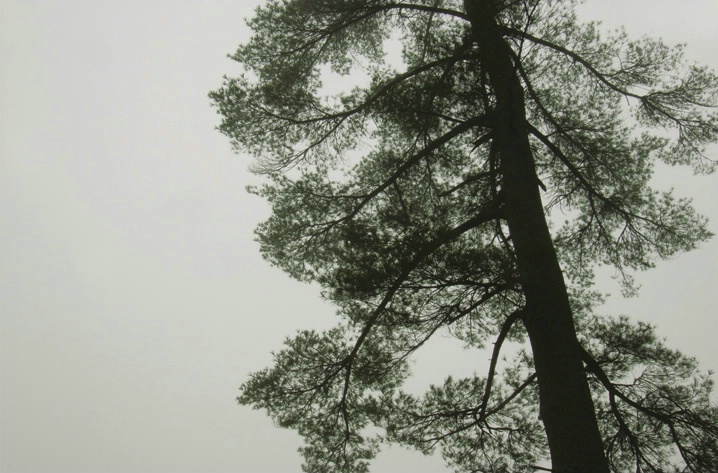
x=426, y=199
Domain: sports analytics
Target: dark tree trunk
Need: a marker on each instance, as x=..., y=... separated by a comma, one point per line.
x=567, y=409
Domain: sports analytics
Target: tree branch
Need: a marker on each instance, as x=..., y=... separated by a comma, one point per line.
x=432, y=146
x=508, y=323
x=482, y=217
x=645, y=100
x=349, y=20
x=338, y=118
x=576, y=57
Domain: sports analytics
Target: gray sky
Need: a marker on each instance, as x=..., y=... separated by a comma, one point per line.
x=133, y=301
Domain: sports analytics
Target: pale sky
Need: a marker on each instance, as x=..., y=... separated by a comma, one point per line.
x=133, y=300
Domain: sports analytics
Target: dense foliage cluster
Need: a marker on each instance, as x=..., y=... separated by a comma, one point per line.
x=390, y=195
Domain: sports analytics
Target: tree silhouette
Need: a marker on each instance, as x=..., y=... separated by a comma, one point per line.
x=472, y=189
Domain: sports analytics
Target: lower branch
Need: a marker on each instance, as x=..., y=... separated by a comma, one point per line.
x=508, y=323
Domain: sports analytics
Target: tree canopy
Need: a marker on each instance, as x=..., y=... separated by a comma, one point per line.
x=471, y=189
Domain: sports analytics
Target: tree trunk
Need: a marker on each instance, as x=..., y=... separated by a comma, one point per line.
x=566, y=407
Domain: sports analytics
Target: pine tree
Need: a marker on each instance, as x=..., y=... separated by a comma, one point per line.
x=472, y=189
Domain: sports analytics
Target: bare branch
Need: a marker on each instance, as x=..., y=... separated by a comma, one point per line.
x=508, y=323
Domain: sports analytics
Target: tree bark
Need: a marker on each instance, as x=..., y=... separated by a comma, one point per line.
x=566, y=407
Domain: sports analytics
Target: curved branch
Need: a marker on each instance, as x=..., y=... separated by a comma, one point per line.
x=446, y=321
x=590, y=189
x=613, y=391
x=575, y=57
x=333, y=121
x=508, y=323
x=485, y=216
x=378, y=93
x=344, y=23
x=432, y=146
x=429, y=9
x=645, y=100
x=527, y=382
x=601, y=375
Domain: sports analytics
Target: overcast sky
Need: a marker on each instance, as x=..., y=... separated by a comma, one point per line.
x=133, y=301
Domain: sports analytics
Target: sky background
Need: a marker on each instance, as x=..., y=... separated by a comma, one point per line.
x=133, y=300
